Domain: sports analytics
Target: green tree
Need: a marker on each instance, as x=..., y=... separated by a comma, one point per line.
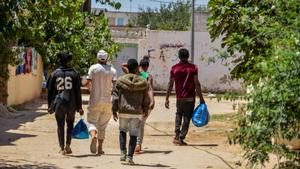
x=51, y=26
x=263, y=38
x=201, y=8
x=172, y=16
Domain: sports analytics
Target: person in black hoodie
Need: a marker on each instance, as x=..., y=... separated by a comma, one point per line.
x=64, y=98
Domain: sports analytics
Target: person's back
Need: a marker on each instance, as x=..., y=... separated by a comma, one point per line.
x=101, y=76
x=144, y=65
x=183, y=74
x=130, y=104
x=131, y=92
x=65, y=81
x=64, y=98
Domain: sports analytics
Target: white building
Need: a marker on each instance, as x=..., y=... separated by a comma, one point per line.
x=163, y=46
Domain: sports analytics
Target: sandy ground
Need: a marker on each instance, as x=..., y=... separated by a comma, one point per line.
x=30, y=141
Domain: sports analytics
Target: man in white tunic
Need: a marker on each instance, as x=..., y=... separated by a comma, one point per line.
x=101, y=78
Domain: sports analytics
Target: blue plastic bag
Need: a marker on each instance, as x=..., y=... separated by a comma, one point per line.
x=200, y=115
x=80, y=130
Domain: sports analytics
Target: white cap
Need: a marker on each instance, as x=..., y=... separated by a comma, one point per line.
x=102, y=55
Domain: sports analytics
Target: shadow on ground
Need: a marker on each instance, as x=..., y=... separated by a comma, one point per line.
x=82, y=167
x=7, y=164
x=162, y=135
x=150, y=165
x=86, y=155
x=203, y=145
x=156, y=152
x=28, y=113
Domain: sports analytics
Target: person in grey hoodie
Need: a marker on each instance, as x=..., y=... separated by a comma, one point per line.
x=130, y=103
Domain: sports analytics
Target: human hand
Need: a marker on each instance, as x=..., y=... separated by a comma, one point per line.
x=145, y=114
x=167, y=103
x=151, y=105
x=81, y=112
x=202, y=101
x=116, y=117
x=50, y=111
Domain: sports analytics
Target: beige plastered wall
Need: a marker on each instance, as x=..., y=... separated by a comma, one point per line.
x=24, y=87
x=213, y=75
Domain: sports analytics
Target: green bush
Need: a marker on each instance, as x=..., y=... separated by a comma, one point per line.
x=263, y=37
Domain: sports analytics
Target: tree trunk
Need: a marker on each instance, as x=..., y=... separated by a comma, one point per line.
x=86, y=7
x=3, y=84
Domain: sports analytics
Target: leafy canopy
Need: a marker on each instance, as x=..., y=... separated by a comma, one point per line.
x=51, y=26
x=172, y=16
x=263, y=37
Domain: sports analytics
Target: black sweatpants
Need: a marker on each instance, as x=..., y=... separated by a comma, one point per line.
x=184, y=114
x=62, y=114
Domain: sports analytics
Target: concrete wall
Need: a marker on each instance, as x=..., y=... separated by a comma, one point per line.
x=129, y=51
x=24, y=87
x=201, y=21
x=163, y=48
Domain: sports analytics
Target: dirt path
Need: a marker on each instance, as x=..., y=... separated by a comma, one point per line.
x=30, y=141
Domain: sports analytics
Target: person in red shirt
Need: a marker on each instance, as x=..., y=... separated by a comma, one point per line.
x=187, y=85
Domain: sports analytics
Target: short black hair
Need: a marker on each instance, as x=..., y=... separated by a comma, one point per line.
x=145, y=61
x=132, y=65
x=183, y=53
x=64, y=57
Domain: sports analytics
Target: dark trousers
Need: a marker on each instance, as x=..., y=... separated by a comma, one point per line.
x=62, y=115
x=132, y=143
x=184, y=114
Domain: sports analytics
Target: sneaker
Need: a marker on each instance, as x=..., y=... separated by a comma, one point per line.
x=123, y=156
x=176, y=141
x=68, y=150
x=182, y=143
x=129, y=161
x=93, y=146
x=138, y=149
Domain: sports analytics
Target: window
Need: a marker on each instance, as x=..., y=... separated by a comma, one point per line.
x=120, y=22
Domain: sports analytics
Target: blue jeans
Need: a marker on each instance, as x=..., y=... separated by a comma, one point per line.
x=131, y=125
x=132, y=143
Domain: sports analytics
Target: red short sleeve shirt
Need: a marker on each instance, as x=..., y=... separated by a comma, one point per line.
x=184, y=73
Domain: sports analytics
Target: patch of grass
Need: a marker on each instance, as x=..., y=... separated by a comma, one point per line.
x=227, y=96
x=224, y=117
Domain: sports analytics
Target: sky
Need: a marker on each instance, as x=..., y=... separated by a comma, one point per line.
x=136, y=4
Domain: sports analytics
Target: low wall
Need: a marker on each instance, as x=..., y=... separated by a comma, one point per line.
x=22, y=88
x=163, y=46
